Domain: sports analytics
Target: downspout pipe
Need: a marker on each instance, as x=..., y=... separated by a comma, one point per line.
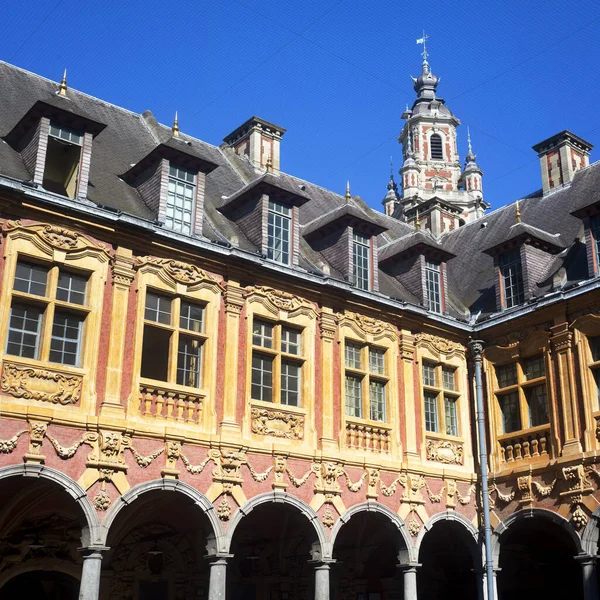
x=476, y=347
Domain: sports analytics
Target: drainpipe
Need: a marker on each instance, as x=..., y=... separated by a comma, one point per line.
x=476, y=347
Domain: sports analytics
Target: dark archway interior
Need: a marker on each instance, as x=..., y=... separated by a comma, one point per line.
x=41, y=585
x=157, y=548
x=40, y=532
x=271, y=550
x=366, y=552
x=537, y=558
x=448, y=566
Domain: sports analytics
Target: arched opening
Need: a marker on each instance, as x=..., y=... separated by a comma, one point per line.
x=537, y=557
x=41, y=585
x=272, y=546
x=367, y=550
x=448, y=567
x=157, y=547
x=41, y=529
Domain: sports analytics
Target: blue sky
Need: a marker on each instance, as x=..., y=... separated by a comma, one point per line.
x=335, y=74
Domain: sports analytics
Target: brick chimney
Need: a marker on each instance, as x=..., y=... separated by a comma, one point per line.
x=258, y=140
x=561, y=156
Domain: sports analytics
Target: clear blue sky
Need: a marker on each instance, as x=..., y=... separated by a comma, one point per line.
x=335, y=74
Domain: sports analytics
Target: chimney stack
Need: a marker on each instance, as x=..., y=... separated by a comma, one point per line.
x=561, y=156
x=259, y=140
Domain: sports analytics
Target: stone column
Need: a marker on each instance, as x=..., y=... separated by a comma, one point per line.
x=409, y=573
x=590, y=577
x=217, y=583
x=89, y=588
x=321, y=579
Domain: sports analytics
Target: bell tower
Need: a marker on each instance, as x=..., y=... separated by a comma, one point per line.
x=436, y=189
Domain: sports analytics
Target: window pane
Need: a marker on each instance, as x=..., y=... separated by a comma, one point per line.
x=595, y=348
x=191, y=317
x=290, y=341
x=353, y=358
x=511, y=417
x=507, y=375
x=429, y=375
x=361, y=260
x=597, y=380
x=189, y=361
x=66, y=134
x=66, y=338
x=155, y=353
x=432, y=278
x=512, y=278
x=24, y=331
x=158, y=309
x=450, y=416
x=353, y=396
x=290, y=383
x=71, y=288
x=181, y=192
x=377, y=361
x=279, y=224
x=31, y=279
x=431, y=419
x=262, y=377
x=534, y=367
x=262, y=334
x=538, y=405
x=377, y=401
x=448, y=378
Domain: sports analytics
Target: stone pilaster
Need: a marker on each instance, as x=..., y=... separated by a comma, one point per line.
x=411, y=395
x=327, y=329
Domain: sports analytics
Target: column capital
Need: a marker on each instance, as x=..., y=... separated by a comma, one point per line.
x=586, y=559
x=220, y=559
x=93, y=551
x=409, y=567
x=322, y=563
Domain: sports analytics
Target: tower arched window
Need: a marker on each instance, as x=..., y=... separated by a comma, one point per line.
x=437, y=152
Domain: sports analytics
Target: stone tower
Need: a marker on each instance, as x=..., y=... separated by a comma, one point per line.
x=436, y=189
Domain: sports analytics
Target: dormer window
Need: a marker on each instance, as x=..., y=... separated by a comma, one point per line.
x=63, y=157
x=512, y=278
x=361, y=261
x=434, y=285
x=279, y=232
x=181, y=197
x=595, y=229
x=437, y=151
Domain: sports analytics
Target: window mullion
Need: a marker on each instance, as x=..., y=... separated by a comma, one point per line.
x=277, y=378
x=46, y=331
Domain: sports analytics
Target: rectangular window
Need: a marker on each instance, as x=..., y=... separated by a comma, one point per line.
x=366, y=381
x=173, y=340
x=440, y=397
x=512, y=278
x=276, y=363
x=279, y=232
x=63, y=157
x=433, y=282
x=511, y=417
x=59, y=293
x=181, y=198
x=361, y=261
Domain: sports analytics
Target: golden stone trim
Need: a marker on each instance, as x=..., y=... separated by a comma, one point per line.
x=43, y=385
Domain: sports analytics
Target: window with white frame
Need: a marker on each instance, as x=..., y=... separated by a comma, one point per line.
x=181, y=197
x=47, y=314
x=279, y=232
x=521, y=394
x=365, y=381
x=277, y=360
x=173, y=340
x=512, y=278
x=434, y=285
x=440, y=397
x=63, y=157
x=361, y=261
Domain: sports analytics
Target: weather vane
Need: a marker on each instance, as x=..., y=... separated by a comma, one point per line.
x=423, y=41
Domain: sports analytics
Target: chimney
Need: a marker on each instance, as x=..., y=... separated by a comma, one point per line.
x=258, y=140
x=561, y=156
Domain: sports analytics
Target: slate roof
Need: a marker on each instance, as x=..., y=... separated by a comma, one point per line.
x=129, y=137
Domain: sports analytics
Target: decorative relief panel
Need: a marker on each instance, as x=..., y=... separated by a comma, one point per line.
x=445, y=452
x=40, y=384
x=276, y=300
x=175, y=271
x=439, y=345
x=367, y=325
x=277, y=423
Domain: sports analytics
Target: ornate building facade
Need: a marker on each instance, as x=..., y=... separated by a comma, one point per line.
x=221, y=381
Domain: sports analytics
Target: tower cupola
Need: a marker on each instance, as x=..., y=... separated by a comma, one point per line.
x=391, y=201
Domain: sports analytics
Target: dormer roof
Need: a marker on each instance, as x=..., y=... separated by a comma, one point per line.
x=419, y=242
x=345, y=215
x=522, y=233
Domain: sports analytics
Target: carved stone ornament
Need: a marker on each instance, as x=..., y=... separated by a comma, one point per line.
x=7, y=446
x=224, y=510
x=40, y=384
x=438, y=344
x=277, y=423
x=368, y=325
x=445, y=452
x=178, y=271
x=327, y=477
x=101, y=500
x=278, y=299
x=328, y=518
x=37, y=432
x=56, y=236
